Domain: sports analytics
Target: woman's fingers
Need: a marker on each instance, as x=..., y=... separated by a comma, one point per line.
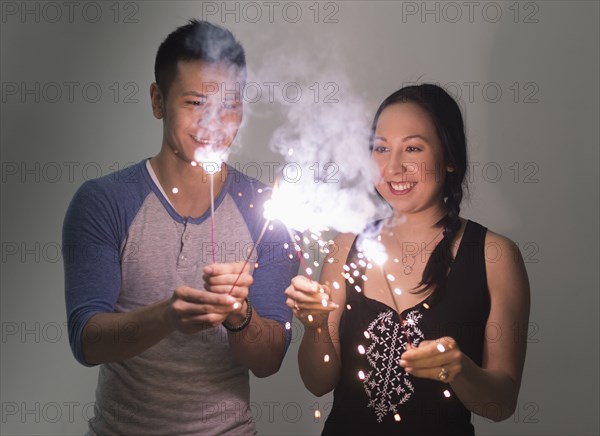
x=438, y=360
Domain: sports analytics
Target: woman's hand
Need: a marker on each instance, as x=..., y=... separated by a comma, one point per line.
x=310, y=301
x=440, y=360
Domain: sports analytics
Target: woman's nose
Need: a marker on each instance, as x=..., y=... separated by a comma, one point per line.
x=397, y=164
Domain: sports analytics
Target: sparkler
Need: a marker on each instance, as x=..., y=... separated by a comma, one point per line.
x=211, y=161
x=292, y=213
x=212, y=215
x=260, y=236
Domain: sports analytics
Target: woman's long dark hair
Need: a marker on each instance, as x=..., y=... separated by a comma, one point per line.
x=448, y=122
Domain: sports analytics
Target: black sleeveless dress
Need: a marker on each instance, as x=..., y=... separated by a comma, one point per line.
x=374, y=395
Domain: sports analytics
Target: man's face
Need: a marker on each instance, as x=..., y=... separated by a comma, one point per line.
x=203, y=109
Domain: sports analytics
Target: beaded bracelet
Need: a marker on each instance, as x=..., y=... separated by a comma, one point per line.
x=244, y=323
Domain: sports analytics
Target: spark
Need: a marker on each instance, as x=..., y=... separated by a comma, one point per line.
x=367, y=335
x=447, y=393
x=361, y=349
x=397, y=417
x=336, y=285
x=361, y=375
x=348, y=307
x=288, y=325
x=326, y=358
x=398, y=291
x=317, y=414
x=211, y=158
x=441, y=348
x=175, y=190
x=374, y=250
x=426, y=306
x=391, y=278
x=310, y=318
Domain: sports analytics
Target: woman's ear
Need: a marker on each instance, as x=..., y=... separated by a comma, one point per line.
x=450, y=168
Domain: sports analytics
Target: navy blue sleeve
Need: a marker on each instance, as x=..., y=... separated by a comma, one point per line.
x=94, y=228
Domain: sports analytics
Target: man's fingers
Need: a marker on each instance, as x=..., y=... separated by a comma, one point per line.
x=228, y=279
x=201, y=296
x=236, y=292
x=226, y=268
x=197, y=323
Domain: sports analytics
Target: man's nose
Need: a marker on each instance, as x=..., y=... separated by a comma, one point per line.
x=211, y=116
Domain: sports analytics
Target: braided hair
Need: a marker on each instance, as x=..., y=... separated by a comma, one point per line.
x=448, y=122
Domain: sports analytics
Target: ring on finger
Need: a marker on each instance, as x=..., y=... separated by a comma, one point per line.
x=443, y=375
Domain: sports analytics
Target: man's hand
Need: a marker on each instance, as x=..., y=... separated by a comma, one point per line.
x=192, y=310
x=220, y=279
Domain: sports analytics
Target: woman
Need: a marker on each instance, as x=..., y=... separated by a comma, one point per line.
x=438, y=331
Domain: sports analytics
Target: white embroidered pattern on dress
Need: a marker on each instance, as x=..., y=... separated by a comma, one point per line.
x=386, y=384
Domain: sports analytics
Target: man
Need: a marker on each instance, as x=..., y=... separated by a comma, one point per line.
x=174, y=332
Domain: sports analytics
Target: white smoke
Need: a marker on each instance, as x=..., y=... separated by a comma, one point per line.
x=329, y=178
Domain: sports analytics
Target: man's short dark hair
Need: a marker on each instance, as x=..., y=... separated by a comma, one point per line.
x=197, y=40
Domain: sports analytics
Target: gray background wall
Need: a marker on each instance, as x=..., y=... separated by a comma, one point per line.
x=75, y=79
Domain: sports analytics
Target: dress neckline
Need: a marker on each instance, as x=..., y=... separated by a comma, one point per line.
x=372, y=301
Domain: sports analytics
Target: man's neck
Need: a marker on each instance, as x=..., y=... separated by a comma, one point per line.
x=187, y=187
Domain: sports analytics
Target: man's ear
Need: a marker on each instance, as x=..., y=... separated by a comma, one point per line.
x=158, y=103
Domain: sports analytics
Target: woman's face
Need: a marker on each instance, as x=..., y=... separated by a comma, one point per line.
x=410, y=159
